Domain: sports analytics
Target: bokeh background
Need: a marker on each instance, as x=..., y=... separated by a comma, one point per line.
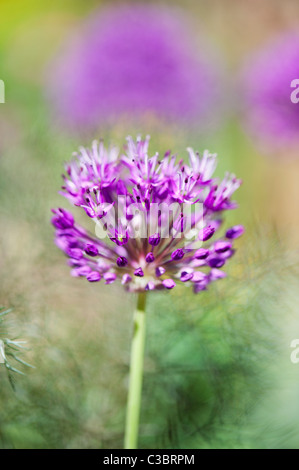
x=218, y=372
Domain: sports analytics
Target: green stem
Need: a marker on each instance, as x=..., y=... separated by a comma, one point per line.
x=136, y=372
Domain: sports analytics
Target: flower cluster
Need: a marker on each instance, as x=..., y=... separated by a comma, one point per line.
x=133, y=60
x=155, y=218
x=269, y=113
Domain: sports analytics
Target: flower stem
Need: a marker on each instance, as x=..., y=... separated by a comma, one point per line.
x=136, y=372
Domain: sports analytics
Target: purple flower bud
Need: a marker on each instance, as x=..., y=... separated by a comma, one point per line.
x=74, y=253
x=235, y=232
x=149, y=258
x=138, y=272
x=200, y=280
x=168, y=283
x=160, y=271
x=91, y=250
x=80, y=271
x=154, y=240
x=226, y=254
x=206, y=233
x=63, y=219
x=216, y=224
x=126, y=279
x=216, y=262
x=74, y=263
x=94, y=276
x=177, y=254
x=65, y=242
x=185, y=276
x=198, y=276
x=216, y=274
x=121, y=261
x=109, y=278
x=222, y=246
x=150, y=286
x=199, y=286
x=202, y=253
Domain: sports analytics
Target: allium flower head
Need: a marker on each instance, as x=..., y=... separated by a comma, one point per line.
x=156, y=218
x=133, y=60
x=271, y=116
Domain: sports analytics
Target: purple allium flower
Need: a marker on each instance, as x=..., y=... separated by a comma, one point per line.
x=141, y=239
x=133, y=60
x=269, y=113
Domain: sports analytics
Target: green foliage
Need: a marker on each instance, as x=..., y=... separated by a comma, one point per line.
x=10, y=350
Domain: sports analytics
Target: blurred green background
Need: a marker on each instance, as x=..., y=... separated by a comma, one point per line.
x=217, y=371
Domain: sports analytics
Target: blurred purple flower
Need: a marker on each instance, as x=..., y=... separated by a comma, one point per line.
x=270, y=116
x=168, y=251
x=130, y=61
